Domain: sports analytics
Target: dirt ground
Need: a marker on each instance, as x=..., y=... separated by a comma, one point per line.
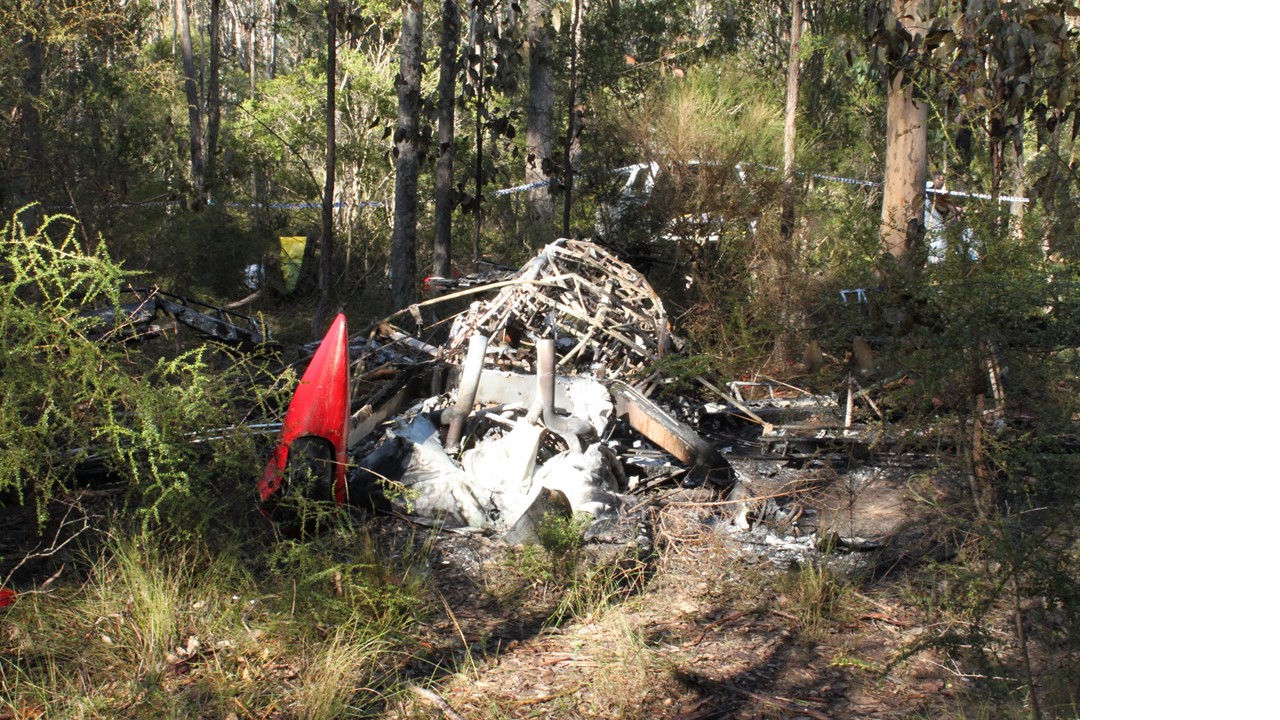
x=705, y=621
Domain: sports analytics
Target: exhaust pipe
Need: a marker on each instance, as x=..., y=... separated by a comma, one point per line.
x=570, y=428
x=456, y=416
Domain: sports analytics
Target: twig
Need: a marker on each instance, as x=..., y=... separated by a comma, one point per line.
x=431, y=698
x=56, y=545
x=1022, y=645
x=546, y=698
x=957, y=672
x=883, y=608
x=714, y=503
x=716, y=624
x=787, y=385
x=266, y=713
x=787, y=705
x=866, y=396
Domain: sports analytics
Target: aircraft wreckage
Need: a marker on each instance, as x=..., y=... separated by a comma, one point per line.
x=518, y=414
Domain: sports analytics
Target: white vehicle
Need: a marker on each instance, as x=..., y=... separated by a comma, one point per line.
x=691, y=202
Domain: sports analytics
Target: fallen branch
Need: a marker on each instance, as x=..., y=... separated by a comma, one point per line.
x=883, y=608
x=716, y=624
x=244, y=300
x=866, y=397
x=784, y=704
x=787, y=705
x=545, y=698
x=725, y=396
x=55, y=545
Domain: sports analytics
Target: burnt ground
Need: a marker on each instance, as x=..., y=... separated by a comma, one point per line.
x=698, y=619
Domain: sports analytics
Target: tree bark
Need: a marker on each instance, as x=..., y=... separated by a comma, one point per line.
x=906, y=156
x=195, y=123
x=30, y=127
x=789, y=125
x=478, y=31
x=1019, y=176
x=252, y=52
x=275, y=37
x=447, y=90
x=320, y=321
x=213, y=104
x=408, y=139
x=571, y=133
x=539, y=137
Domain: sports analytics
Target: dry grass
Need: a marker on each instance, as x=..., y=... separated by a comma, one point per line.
x=345, y=625
x=146, y=614
x=627, y=672
x=332, y=670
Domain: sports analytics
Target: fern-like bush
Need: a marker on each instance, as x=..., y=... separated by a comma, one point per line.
x=68, y=399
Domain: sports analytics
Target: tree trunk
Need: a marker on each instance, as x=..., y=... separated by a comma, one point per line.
x=195, y=123
x=1019, y=176
x=30, y=127
x=408, y=138
x=572, y=115
x=478, y=31
x=213, y=103
x=789, y=125
x=539, y=134
x=906, y=156
x=255, y=180
x=252, y=53
x=321, y=319
x=275, y=37
x=447, y=90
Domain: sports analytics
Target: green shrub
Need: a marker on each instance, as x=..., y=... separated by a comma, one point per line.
x=68, y=398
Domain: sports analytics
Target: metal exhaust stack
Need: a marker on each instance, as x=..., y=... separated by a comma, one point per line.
x=569, y=428
x=456, y=416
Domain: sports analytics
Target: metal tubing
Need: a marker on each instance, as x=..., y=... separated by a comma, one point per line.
x=570, y=428
x=456, y=416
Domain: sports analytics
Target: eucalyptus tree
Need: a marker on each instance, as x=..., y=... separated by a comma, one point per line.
x=906, y=135
x=213, y=102
x=985, y=69
x=320, y=320
x=445, y=101
x=572, y=113
x=195, y=114
x=30, y=127
x=82, y=63
x=539, y=132
x=490, y=81
x=408, y=152
x=789, y=120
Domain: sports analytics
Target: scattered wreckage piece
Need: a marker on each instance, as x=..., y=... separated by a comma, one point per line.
x=134, y=320
x=312, y=450
x=650, y=420
x=608, y=320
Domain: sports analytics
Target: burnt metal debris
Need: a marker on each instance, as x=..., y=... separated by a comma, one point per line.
x=536, y=404
x=605, y=317
x=540, y=403
x=139, y=310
